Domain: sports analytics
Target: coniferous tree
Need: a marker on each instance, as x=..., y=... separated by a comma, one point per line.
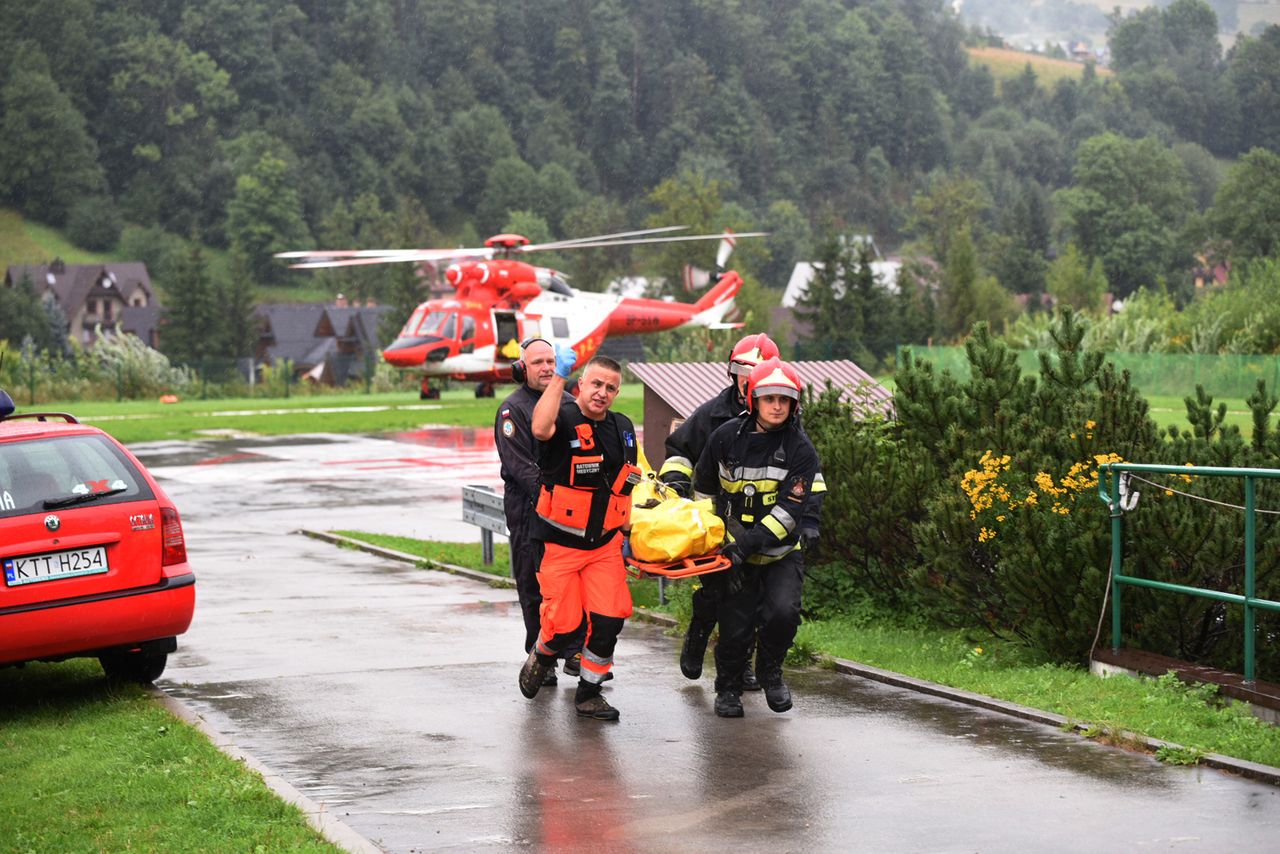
x=236, y=298
x=192, y=326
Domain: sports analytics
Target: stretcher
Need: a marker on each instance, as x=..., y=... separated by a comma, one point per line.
x=683, y=568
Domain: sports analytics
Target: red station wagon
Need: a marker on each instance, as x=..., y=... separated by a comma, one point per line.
x=94, y=560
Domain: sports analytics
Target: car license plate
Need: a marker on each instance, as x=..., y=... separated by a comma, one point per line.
x=47, y=567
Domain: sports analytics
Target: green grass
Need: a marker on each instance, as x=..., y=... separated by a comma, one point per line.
x=1170, y=410
x=90, y=765
x=26, y=242
x=644, y=592
x=1164, y=708
x=148, y=420
x=468, y=555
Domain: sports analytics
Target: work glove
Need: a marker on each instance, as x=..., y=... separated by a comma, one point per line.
x=737, y=574
x=626, y=545
x=565, y=360
x=809, y=539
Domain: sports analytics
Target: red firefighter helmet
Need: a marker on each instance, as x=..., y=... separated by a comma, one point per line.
x=749, y=352
x=773, y=376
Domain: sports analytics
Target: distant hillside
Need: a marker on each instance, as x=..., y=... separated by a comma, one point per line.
x=1006, y=64
x=25, y=242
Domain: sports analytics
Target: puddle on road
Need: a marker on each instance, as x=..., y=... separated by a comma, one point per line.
x=461, y=438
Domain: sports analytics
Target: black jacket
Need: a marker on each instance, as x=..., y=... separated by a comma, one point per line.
x=518, y=452
x=686, y=443
x=764, y=481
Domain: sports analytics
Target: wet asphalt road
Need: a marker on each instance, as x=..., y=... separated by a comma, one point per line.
x=389, y=694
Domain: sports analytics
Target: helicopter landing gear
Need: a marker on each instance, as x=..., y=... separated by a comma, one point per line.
x=484, y=390
x=426, y=392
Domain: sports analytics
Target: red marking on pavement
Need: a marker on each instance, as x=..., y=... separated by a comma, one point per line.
x=450, y=461
x=393, y=463
x=229, y=458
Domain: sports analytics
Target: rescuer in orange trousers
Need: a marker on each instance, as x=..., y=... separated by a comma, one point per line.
x=587, y=460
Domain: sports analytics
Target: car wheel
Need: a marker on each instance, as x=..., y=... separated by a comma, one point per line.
x=140, y=667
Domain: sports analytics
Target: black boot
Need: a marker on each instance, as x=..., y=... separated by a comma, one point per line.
x=695, y=648
x=588, y=703
x=729, y=704
x=533, y=675
x=776, y=692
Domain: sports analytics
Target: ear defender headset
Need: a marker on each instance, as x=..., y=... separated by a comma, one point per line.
x=519, y=370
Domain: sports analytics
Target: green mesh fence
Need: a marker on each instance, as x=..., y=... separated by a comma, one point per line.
x=1153, y=373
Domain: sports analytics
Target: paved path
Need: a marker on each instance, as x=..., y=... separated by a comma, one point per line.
x=389, y=694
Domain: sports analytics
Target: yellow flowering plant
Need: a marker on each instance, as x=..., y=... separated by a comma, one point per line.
x=996, y=491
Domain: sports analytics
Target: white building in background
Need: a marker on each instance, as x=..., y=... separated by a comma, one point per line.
x=885, y=272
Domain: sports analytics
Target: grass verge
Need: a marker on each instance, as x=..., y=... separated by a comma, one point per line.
x=91, y=765
x=353, y=412
x=644, y=592
x=1165, y=708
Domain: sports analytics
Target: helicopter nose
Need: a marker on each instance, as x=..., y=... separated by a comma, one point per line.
x=416, y=350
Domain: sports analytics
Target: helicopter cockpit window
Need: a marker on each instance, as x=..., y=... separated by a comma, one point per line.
x=413, y=323
x=430, y=323
x=559, y=327
x=450, y=328
x=468, y=337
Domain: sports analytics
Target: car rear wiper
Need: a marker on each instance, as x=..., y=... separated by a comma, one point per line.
x=71, y=500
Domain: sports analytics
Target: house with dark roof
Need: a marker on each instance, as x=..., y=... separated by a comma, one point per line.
x=332, y=344
x=110, y=297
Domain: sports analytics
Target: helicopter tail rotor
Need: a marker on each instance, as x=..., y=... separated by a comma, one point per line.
x=695, y=278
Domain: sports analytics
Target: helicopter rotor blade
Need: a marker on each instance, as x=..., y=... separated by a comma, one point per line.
x=376, y=256
x=575, y=242
x=683, y=238
x=418, y=256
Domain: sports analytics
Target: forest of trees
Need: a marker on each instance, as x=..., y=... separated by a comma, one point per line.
x=262, y=125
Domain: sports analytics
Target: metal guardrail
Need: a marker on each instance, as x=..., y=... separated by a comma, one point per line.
x=1114, y=492
x=482, y=506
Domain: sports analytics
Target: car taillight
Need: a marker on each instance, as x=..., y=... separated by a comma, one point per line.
x=173, y=544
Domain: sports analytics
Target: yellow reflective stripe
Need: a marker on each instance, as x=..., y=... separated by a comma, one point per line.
x=763, y=487
x=775, y=527
x=773, y=554
x=819, y=484
x=747, y=517
x=680, y=465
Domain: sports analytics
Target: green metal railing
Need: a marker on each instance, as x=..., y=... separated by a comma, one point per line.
x=1110, y=491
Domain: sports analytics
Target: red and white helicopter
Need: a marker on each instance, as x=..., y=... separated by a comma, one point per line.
x=500, y=301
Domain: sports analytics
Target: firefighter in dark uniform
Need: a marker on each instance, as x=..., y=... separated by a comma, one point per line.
x=760, y=469
x=587, y=458
x=684, y=446
x=518, y=451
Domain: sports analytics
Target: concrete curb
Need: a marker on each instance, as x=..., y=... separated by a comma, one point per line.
x=1253, y=770
x=330, y=827
x=393, y=554
x=473, y=574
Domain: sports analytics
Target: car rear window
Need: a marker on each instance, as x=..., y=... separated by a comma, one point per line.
x=39, y=470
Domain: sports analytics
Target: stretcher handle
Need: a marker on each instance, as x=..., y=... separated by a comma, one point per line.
x=683, y=568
